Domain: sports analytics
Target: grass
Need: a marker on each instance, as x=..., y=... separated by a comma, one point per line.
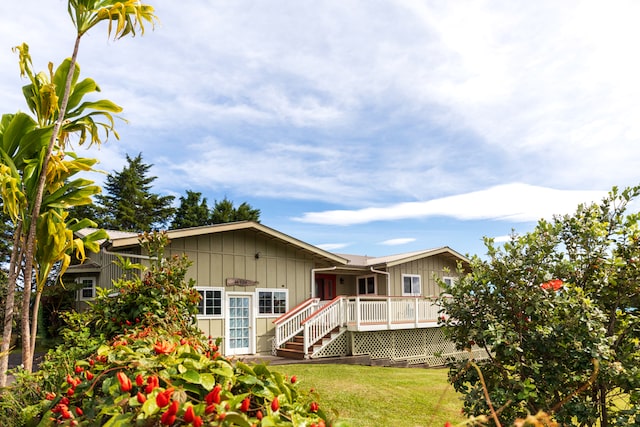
x=366, y=396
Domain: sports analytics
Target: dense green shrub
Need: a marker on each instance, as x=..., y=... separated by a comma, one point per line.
x=557, y=312
x=136, y=357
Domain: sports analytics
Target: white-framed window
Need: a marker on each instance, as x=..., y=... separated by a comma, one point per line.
x=411, y=285
x=449, y=280
x=210, y=304
x=367, y=285
x=272, y=302
x=88, y=288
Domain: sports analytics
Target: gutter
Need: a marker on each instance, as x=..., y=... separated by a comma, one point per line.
x=313, y=278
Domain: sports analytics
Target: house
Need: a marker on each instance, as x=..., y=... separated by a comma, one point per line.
x=266, y=292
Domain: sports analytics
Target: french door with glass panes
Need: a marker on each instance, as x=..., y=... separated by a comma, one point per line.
x=240, y=320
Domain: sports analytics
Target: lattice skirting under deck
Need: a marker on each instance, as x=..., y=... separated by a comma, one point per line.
x=415, y=346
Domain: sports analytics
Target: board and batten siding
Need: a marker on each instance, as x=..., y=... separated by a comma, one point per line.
x=219, y=256
x=426, y=267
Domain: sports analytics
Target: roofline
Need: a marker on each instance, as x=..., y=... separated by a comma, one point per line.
x=234, y=226
x=430, y=252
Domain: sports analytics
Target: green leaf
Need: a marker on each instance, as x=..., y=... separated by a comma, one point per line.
x=208, y=381
x=236, y=419
x=191, y=376
x=120, y=420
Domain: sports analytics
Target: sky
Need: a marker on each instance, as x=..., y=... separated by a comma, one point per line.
x=364, y=127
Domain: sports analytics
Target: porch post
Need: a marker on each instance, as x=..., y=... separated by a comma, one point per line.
x=388, y=312
x=305, y=336
x=416, y=308
x=357, y=313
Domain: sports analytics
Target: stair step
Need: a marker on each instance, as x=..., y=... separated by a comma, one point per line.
x=294, y=346
x=290, y=354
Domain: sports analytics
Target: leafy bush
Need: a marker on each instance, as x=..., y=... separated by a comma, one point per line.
x=136, y=357
x=556, y=311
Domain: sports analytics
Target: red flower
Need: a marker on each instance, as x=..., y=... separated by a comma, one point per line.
x=152, y=382
x=164, y=347
x=210, y=409
x=294, y=379
x=314, y=407
x=79, y=412
x=70, y=392
x=141, y=398
x=214, y=395
x=168, y=418
x=189, y=416
x=78, y=369
x=275, y=405
x=244, y=406
x=139, y=380
x=554, y=284
x=259, y=415
x=162, y=399
x=88, y=375
x=50, y=396
x=197, y=421
x=125, y=382
x=448, y=424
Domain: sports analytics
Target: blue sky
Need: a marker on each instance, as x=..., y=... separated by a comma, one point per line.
x=366, y=127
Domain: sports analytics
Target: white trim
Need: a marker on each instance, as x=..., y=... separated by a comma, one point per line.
x=81, y=296
x=222, y=301
x=252, y=323
x=271, y=290
x=412, y=293
x=375, y=284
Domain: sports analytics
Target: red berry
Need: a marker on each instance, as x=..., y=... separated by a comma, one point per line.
x=275, y=405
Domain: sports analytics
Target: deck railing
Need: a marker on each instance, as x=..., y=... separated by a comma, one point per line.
x=290, y=324
x=372, y=313
x=366, y=313
x=322, y=322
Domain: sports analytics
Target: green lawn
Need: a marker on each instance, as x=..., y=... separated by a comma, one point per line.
x=367, y=396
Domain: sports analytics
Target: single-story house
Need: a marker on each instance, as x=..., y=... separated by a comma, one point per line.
x=264, y=292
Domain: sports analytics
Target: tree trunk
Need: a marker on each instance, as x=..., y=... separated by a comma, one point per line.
x=14, y=270
x=27, y=352
x=604, y=413
x=34, y=323
x=27, y=348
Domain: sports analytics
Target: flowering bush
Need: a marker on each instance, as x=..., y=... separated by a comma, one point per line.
x=556, y=311
x=136, y=358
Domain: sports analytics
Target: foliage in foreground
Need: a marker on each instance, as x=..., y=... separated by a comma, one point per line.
x=137, y=358
x=556, y=310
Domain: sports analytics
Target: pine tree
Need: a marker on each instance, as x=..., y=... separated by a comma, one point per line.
x=224, y=211
x=129, y=204
x=192, y=211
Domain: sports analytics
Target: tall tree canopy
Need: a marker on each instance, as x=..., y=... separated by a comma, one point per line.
x=194, y=212
x=129, y=204
x=225, y=211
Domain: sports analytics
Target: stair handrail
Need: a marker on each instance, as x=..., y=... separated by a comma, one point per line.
x=290, y=324
x=332, y=315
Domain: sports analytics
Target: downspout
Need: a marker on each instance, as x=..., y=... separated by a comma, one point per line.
x=313, y=278
x=386, y=273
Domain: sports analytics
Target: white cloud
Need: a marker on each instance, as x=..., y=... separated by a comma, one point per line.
x=332, y=246
x=511, y=202
x=398, y=241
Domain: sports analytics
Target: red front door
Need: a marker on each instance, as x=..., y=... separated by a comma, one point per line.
x=326, y=286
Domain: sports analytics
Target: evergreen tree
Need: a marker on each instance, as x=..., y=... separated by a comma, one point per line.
x=129, y=204
x=192, y=211
x=224, y=211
